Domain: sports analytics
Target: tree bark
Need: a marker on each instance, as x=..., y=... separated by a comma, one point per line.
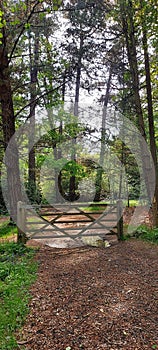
x=150, y=113
x=8, y=116
x=33, y=95
x=8, y=126
x=72, y=184
x=126, y=10
x=98, y=182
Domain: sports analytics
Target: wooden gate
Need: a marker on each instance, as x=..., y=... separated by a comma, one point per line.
x=70, y=220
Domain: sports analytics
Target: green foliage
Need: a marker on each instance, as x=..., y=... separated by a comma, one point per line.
x=131, y=167
x=3, y=209
x=7, y=230
x=27, y=25
x=87, y=21
x=72, y=168
x=57, y=4
x=147, y=234
x=96, y=207
x=132, y=202
x=17, y=272
x=1, y=25
x=34, y=193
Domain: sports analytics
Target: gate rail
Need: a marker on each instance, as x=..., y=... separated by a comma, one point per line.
x=70, y=220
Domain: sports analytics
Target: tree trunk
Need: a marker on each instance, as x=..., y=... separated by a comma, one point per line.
x=98, y=182
x=121, y=171
x=58, y=154
x=72, y=184
x=8, y=126
x=150, y=114
x=126, y=10
x=33, y=94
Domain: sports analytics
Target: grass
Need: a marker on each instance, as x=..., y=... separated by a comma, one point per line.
x=95, y=208
x=7, y=230
x=17, y=272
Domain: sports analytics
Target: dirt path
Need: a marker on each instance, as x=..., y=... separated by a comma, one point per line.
x=94, y=298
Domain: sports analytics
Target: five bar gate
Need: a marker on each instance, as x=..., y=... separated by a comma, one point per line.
x=70, y=220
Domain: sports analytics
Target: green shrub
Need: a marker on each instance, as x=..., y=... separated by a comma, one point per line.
x=17, y=272
x=147, y=234
x=6, y=229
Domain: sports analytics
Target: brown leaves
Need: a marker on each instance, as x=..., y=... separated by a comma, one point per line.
x=100, y=299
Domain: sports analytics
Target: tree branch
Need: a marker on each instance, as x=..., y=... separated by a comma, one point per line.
x=22, y=30
x=37, y=99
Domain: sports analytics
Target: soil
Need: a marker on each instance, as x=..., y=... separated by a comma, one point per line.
x=94, y=298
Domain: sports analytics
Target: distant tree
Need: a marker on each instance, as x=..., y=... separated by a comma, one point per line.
x=86, y=37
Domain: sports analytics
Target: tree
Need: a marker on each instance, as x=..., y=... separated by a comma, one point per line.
x=18, y=19
x=8, y=120
x=85, y=34
x=33, y=57
x=134, y=21
x=143, y=16
x=127, y=17
x=99, y=175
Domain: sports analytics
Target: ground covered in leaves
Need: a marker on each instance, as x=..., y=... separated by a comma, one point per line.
x=94, y=298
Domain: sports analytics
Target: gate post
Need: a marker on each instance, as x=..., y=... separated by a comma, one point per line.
x=21, y=223
x=119, y=219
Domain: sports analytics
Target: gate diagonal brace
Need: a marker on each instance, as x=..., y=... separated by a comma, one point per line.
x=64, y=231
x=97, y=221
x=55, y=228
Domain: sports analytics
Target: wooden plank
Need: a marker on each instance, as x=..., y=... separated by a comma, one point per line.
x=68, y=221
x=69, y=229
x=72, y=213
x=68, y=205
x=83, y=217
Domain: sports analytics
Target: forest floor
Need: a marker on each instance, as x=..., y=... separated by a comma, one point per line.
x=94, y=298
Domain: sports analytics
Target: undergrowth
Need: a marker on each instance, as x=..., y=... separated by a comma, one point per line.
x=147, y=234
x=17, y=272
x=7, y=230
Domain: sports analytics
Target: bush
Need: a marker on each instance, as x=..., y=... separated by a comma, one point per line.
x=17, y=272
x=34, y=193
x=147, y=234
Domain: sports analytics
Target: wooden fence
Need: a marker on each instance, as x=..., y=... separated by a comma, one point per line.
x=70, y=220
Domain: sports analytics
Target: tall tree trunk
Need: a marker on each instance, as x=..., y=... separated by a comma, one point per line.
x=72, y=183
x=58, y=154
x=126, y=10
x=98, y=182
x=150, y=113
x=8, y=126
x=33, y=94
x=121, y=170
x=2, y=203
